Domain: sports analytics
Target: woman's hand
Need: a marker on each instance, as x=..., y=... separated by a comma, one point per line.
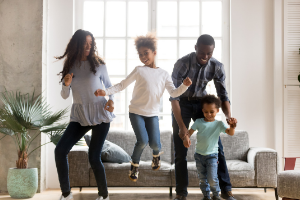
x=100, y=92
x=187, y=81
x=68, y=79
x=109, y=106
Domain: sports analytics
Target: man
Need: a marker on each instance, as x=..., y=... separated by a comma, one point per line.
x=200, y=67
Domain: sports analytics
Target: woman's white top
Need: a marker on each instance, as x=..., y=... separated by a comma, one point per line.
x=87, y=109
x=148, y=89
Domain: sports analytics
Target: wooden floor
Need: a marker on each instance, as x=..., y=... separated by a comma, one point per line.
x=148, y=193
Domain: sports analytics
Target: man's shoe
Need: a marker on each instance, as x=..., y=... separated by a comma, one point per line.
x=179, y=197
x=70, y=197
x=227, y=195
x=216, y=198
x=101, y=198
x=206, y=198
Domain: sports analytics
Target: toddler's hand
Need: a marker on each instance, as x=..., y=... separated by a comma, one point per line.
x=187, y=142
x=68, y=79
x=100, y=92
x=187, y=81
x=232, y=122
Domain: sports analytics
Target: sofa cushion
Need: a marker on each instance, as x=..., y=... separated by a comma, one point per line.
x=236, y=147
x=238, y=165
x=111, y=152
x=127, y=139
x=117, y=175
x=241, y=174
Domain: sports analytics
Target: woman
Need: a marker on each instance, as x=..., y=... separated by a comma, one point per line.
x=83, y=72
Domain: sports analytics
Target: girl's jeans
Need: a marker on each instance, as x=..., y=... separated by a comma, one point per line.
x=71, y=136
x=146, y=130
x=207, y=167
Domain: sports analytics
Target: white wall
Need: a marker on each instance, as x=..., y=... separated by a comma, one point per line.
x=60, y=30
x=252, y=69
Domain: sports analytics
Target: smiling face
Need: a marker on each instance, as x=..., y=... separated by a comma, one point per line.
x=87, y=47
x=147, y=56
x=210, y=111
x=204, y=53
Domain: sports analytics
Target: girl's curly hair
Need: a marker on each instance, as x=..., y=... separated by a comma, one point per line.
x=75, y=50
x=149, y=41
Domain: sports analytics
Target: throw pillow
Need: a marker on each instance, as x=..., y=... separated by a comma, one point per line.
x=111, y=152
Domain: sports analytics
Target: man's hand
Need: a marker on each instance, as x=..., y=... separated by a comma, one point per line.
x=187, y=81
x=68, y=79
x=109, y=106
x=183, y=132
x=99, y=93
x=232, y=122
x=187, y=142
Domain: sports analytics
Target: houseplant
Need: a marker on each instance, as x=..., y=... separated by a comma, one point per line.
x=24, y=117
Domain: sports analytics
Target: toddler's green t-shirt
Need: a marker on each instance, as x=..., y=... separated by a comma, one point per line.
x=208, y=135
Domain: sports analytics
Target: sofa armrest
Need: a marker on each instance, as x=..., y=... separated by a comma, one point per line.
x=265, y=164
x=79, y=167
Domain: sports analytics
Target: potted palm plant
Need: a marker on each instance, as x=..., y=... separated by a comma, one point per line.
x=23, y=117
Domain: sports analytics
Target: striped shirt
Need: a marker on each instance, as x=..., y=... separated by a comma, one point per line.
x=200, y=76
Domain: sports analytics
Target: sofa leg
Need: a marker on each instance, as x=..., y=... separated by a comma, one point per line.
x=265, y=190
x=80, y=189
x=170, y=191
x=276, y=194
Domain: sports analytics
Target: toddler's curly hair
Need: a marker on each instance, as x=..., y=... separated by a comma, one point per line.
x=211, y=99
x=149, y=41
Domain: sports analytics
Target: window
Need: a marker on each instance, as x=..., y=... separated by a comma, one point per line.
x=178, y=23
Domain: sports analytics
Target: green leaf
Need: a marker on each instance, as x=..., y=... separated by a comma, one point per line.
x=22, y=113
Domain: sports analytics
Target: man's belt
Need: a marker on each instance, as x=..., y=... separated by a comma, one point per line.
x=190, y=99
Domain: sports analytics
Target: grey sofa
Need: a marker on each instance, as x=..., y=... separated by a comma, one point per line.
x=248, y=167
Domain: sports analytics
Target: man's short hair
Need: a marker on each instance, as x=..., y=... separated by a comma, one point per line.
x=206, y=40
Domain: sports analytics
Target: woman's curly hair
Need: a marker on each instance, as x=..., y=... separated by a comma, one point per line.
x=149, y=41
x=75, y=51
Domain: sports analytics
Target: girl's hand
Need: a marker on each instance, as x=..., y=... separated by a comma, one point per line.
x=109, y=106
x=187, y=81
x=99, y=93
x=68, y=79
x=187, y=142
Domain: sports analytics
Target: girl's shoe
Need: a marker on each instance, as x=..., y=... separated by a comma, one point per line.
x=101, y=198
x=156, y=161
x=134, y=172
x=70, y=197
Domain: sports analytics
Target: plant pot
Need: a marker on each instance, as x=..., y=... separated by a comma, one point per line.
x=22, y=183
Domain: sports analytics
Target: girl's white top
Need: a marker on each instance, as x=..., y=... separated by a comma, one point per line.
x=87, y=109
x=148, y=89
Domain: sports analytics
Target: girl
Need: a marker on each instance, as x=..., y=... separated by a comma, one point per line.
x=83, y=72
x=151, y=82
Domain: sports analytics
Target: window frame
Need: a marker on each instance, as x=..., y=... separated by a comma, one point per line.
x=152, y=23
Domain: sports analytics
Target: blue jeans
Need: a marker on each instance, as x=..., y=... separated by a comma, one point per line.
x=193, y=110
x=146, y=130
x=207, y=167
x=71, y=136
